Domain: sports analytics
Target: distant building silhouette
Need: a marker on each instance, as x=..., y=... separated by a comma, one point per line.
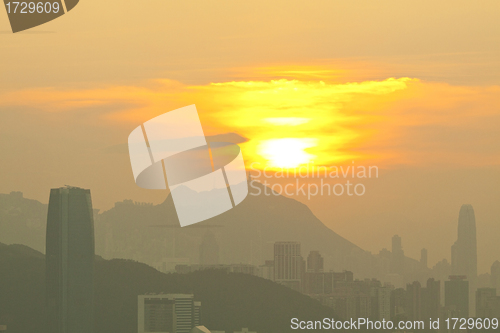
x=456, y=297
x=413, y=301
x=423, y=258
x=70, y=261
x=417, y=303
x=314, y=262
x=442, y=270
x=487, y=303
x=324, y=283
x=288, y=264
x=398, y=303
x=381, y=302
x=495, y=275
x=397, y=256
x=431, y=300
x=162, y=313
x=266, y=271
x=232, y=268
x=168, y=265
x=464, y=250
x=348, y=298
x=209, y=249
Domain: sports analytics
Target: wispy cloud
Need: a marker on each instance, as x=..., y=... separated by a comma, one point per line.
x=390, y=122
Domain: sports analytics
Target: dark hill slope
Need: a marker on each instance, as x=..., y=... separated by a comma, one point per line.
x=229, y=301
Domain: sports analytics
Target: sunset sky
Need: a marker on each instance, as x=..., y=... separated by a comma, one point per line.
x=411, y=87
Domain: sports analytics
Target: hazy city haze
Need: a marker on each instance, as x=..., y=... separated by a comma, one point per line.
x=434, y=136
x=369, y=133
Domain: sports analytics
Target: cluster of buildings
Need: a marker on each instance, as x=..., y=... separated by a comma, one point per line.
x=370, y=298
x=373, y=299
x=453, y=293
x=70, y=274
x=487, y=303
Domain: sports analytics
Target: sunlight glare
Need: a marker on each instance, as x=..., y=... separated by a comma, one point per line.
x=287, y=152
x=290, y=121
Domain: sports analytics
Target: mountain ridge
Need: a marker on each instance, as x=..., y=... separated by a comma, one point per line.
x=230, y=301
x=246, y=233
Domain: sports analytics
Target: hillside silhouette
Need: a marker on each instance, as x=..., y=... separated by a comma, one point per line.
x=246, y=234
x=22, y=221
x=229, y=301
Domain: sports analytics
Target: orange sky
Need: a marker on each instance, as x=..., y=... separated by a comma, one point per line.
x=411, y=87
x=289, y=123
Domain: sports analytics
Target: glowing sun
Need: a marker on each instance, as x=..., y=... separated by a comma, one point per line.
x=287, y=152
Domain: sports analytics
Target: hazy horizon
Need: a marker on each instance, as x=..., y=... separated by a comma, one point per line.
x=411, y=90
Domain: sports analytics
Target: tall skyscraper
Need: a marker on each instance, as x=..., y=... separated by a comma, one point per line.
x=288, y=264
x=464, y=251
x=397, y=256
x=70, y=261
x=167, y=313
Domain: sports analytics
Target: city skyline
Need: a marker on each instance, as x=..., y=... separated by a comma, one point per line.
x=376, y=299
x=463, y=262
x=255, y=166
x=486, y=269
x=419, y=101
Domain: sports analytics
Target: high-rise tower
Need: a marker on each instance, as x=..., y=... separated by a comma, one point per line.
x=70, y=261
x=397, y=256
x=288, y=264
x=464, y=251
